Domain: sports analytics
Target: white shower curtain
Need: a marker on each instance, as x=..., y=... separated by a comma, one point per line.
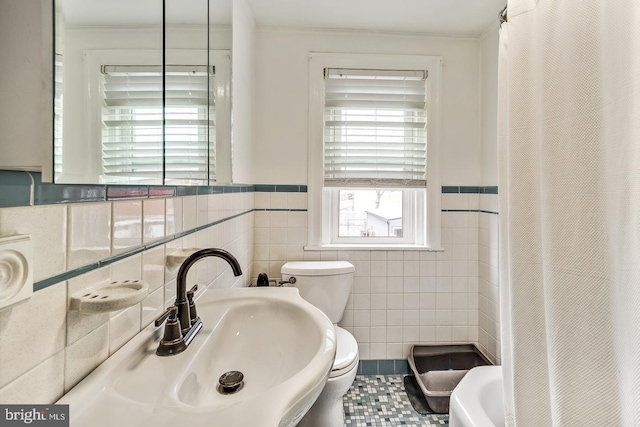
x=569, y=147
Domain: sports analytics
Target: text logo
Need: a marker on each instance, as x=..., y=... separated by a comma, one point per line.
x=34, y=415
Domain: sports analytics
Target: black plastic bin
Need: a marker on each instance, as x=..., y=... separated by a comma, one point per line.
x=439, y=368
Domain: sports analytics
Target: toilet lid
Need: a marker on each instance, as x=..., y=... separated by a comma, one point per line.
x=346, y=352
x=317, y=268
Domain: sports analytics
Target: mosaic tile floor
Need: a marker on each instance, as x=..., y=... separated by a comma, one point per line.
x=380, y=401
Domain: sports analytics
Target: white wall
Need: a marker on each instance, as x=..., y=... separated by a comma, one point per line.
x=488, y=281
x=281, y=135
x=242, y=90
x=25, y=114
x=489, y=104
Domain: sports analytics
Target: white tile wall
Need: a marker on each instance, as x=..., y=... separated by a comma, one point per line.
x=489, y=284
x=48, y=228
x=399, y=298
x=70, y=345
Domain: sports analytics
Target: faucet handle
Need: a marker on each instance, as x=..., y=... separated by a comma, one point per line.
x=172, y=342
x=169, y=312
x=193, y=316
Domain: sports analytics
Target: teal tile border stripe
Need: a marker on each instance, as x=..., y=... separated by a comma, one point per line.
x=447, y=189
x=470, y=210
x=383, y=367
x=19, y=188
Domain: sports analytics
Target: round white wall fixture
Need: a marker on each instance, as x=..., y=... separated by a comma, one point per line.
x=16, y=277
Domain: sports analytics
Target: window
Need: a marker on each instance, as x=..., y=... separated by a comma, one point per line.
x=370, y=119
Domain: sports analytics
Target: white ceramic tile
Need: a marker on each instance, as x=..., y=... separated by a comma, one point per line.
x=410, y=317
x=427, y=300
x=394, y=317
x=428, y=284
x=394, y=268
x=443, y=301
x=152, y=307
x=362, y=285
x=47, y=226
x=189, y=212
x=153, y=212
x=378, y=350
x=126, y=225
x=85, y=355
x=411, y=284
x=88, y=233
x=79, y=325
x=378, y=317
x=394, y=334
x=395, y=301
x=427, y=334
x=42, y=385
x=41, y=320
x=428, y=255
x=170, y=293
x=394, y=351
x=378, y=284
x=362, y=301
x=410, y=333
x=173, y=215
x=395, y=285
x=378, y=334
x=297, y=200
x=459, y=334
x=153, y=266
x=361, y=318
x=277, y=252
x=279, y=201
x=277, y=236
x=427, y=317
x=123, y=326
x=297, y=219
x=262, y=200
x=262, y=219
x=129, y=268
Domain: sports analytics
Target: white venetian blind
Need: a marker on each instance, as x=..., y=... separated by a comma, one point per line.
x=375, y=128
x=132, y=134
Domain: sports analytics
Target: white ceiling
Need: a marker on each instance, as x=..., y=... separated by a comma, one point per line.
x=420, y=16
x=143, y=12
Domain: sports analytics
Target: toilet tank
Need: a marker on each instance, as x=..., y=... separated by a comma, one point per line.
x=325, y=284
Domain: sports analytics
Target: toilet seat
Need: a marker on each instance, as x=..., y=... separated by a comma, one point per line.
x=346, y=353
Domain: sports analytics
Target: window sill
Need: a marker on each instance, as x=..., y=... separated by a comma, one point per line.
x=373, y=247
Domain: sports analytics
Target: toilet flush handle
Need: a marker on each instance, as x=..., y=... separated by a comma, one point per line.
x=291, y=281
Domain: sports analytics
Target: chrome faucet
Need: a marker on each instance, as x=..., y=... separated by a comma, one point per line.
x=183, y=323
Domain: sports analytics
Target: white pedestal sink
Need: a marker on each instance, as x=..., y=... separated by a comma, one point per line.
x=283, y=345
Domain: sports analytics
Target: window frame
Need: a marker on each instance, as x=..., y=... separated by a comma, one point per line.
x=322, y=209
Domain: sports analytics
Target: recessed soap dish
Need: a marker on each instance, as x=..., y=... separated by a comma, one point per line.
x=175, y=259
x=113, y=296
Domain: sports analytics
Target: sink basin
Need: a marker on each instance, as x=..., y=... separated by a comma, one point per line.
x=283, y=345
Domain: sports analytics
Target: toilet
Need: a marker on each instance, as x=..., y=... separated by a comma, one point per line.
x=327, y=285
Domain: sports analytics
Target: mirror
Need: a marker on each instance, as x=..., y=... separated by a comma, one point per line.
x=141, y=99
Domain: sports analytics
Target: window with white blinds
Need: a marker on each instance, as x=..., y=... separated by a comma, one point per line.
x=375, y=128
x=132, y=121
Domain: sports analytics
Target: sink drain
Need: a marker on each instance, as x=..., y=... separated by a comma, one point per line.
x=231, y=382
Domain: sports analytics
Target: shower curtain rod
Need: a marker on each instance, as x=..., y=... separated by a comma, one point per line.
x=502, y=16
